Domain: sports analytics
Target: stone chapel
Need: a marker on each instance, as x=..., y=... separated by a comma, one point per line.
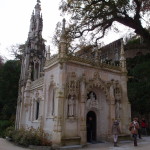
x=60, y=93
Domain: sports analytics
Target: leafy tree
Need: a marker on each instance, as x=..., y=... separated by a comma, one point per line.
x=17, y=51
x=1, y=61
x=139, y=83
x=9, y=77
x=97, y=16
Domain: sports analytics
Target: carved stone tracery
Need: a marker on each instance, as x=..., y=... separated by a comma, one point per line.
x=98, y=82
x=73, y=85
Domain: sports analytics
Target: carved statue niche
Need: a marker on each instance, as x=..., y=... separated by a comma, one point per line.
x=71, y=106
x=117, y=94
x=72, y=94
x=112, y=96
x=91, y=100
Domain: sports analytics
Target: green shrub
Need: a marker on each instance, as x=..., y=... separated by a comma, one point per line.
x=4, y=124
x=10, y=131
x=29, y=136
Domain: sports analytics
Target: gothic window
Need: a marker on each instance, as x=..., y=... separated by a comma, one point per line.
x=37, y=110
x=50, y=106
x=116, y=54
x=35, y=67
x=30, y=110
x=33, y=109
x=32, y=72
x=36, y=71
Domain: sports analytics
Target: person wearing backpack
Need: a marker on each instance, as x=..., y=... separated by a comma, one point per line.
x=134, y=126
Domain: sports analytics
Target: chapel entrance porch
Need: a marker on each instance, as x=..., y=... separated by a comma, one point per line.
x=91, y=126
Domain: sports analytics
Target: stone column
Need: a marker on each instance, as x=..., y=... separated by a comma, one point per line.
x=112, y=108
x=59, y=106
x=126, y=108
x=57, y=130
x=82, y=114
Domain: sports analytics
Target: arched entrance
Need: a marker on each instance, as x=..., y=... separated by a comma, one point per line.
x=91, y=126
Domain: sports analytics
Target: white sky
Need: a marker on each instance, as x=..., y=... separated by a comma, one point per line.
x=15, y=20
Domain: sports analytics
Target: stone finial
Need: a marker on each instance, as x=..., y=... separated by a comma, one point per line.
x=33, y=13
x=48, y=53
x=63, y=28
x=122, y=58
x=37, y=8
x=63, y=41
x=64, y=23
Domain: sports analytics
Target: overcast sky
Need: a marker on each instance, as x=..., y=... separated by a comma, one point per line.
x=15, y=20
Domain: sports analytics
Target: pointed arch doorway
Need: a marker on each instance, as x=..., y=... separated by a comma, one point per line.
x=91, y=126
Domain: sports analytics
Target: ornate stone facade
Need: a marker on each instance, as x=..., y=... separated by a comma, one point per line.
x=71, y=90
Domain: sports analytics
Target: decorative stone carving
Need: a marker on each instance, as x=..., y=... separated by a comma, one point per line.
x=117, y=91
x=71, y=106
x=117, y=94
x=92, y=101
x=36, y=94
x=73, y=85
x=98, y=82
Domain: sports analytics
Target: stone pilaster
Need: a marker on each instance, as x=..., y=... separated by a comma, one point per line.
x=57, y=131
x=112, y=107
x=82, y=114
x=126, y=108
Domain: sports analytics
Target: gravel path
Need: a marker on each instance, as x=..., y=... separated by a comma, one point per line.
x=6, y=145
x=143, y=144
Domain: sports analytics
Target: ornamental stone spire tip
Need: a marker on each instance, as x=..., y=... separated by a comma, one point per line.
x=122, y=58
x=38, y=1
x=64, y=23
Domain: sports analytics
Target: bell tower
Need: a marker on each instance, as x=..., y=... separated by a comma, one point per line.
x=34, y=53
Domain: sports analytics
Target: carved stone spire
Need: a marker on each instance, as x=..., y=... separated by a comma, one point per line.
x=34, y=55
x=36, y=22
x=122, y=58
x=63, y=41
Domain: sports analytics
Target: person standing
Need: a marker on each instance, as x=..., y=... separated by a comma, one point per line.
x=134, y=126
x=115, y=131
x=144, y=126
x=139, y=129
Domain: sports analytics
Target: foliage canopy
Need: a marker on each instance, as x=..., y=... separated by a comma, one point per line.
x=9, y=78
x=139, y=84
x=97, y=16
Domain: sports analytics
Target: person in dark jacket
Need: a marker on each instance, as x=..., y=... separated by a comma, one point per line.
x=144, y=126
